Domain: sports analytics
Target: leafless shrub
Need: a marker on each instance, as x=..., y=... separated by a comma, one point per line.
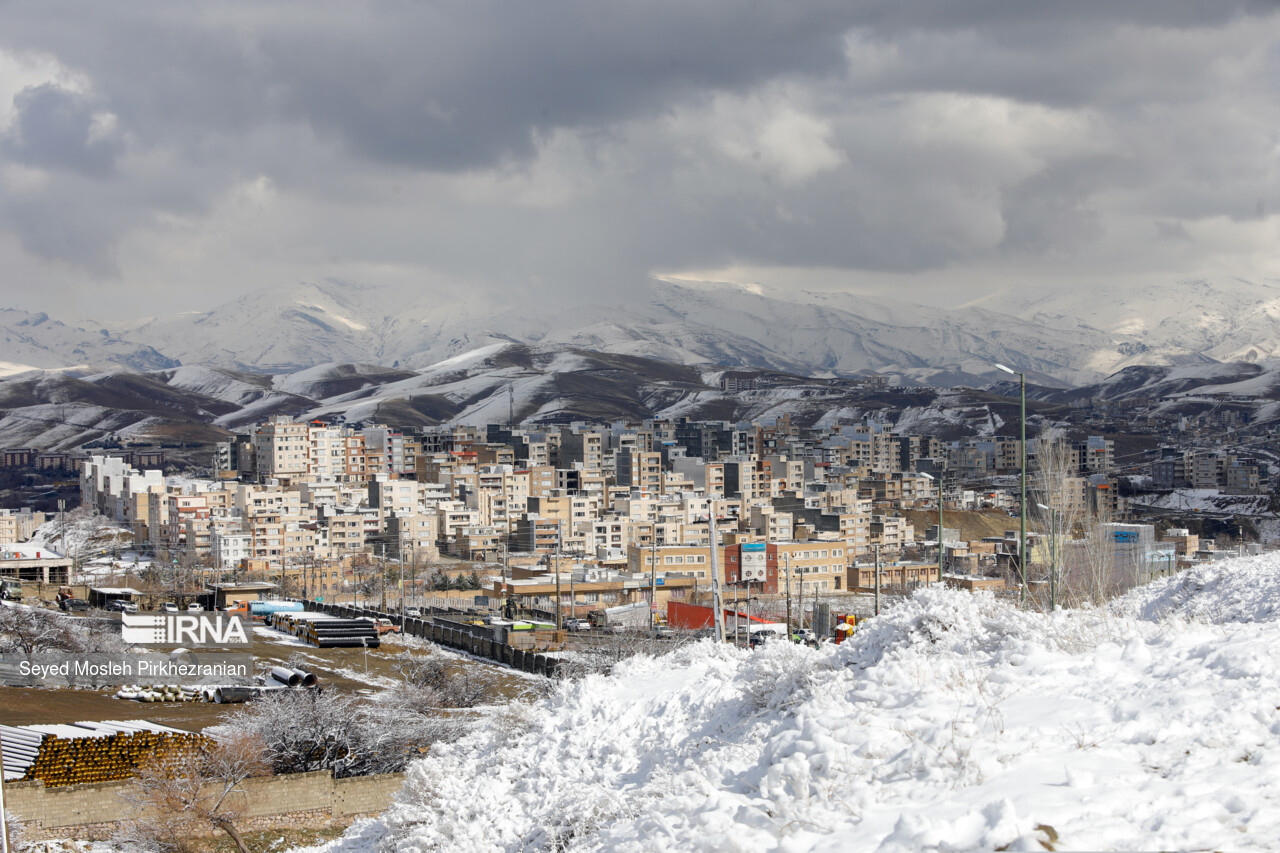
x=32, y=630
x=436, y=682
x=306, y=730
x=14, y=830
x=183, y=793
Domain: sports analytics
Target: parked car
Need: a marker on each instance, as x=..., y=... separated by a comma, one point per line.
x=74, y=605
x=11, y=591
x=195, y=607
x=413, y=613
x=575, y=624
x=805, y=635
x=759, y=638
x=169, y=607
x=122, y=606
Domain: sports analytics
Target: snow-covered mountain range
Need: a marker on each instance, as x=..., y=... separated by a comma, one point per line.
x=504, y=382
x=1069, y=337
x=495, y=383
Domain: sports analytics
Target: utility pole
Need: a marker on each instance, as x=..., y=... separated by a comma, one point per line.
x=559, y=623
x=876, y=548
x=384, y=578
x=505, y=598
x=942, y=476
x=653, y=578
x=4, y=823
x=1022, y=506
x=1053, y=559
x=737, y=619
x=786, y=562
x=802, y=598
x=413, y=584
x=716, y=601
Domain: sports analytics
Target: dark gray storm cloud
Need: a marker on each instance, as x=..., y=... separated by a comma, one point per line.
x=54, y=128
x=183, y=151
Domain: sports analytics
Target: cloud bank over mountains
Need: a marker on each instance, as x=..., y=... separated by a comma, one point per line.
x=156, y=158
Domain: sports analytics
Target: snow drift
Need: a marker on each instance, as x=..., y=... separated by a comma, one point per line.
x=954, y=722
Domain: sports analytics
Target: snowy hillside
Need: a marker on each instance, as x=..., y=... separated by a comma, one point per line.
x=33, y=341
x=1228, y=319
x=953, y=722
x=490, y=384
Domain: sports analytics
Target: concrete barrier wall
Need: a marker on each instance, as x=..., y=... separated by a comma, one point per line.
x=95, y=811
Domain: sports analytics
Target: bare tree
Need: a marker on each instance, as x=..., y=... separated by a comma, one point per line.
x=31, y=630
x=182, y=793
x=431, y=681
x=611, y=649
x=1079, y=539
x=306, y=730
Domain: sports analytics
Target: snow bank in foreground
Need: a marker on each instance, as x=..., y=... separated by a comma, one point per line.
x=1243, y=590
x=955, y=722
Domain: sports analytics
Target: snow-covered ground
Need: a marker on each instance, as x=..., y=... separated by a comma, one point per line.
x=1207, y=500
x=84, y=534
x=953, y=722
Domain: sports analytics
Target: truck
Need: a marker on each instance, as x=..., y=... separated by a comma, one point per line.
x=261, y=611
x=384, y=626
x=622, y=616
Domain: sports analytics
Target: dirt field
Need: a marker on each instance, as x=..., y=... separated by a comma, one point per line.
x=341, y=669
x=972, y=525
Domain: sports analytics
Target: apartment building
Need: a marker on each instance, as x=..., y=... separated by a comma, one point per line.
x=806, y=567
x=19, y=525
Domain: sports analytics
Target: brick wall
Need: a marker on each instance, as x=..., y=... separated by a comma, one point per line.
x=298, y=799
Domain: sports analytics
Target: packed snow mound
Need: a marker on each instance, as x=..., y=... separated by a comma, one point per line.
x=1243, y=590
x=953, y=722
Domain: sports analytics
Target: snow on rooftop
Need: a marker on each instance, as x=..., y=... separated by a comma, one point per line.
x=953, y=722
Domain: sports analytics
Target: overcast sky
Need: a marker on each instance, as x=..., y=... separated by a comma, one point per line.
x=160, y=156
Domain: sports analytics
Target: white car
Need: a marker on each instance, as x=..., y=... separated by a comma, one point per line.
x=168, y=607
x=413, y=613
x=195, y=607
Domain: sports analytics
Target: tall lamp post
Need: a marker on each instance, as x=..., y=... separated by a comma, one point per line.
x=938, y=479
x=1022, y=506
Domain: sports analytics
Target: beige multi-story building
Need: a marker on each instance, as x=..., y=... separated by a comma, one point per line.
x=346, y=532
x=690, y=560
x=391, y=496
x=542, y=480
x=413, y=536
x=814, y=566
x=19, y=525
x=282, y=448
x=891, y=532
x=581, y=448
x=641, y=471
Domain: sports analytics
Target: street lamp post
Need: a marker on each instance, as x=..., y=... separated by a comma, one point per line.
x=938, y=479
x=1022, y=506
